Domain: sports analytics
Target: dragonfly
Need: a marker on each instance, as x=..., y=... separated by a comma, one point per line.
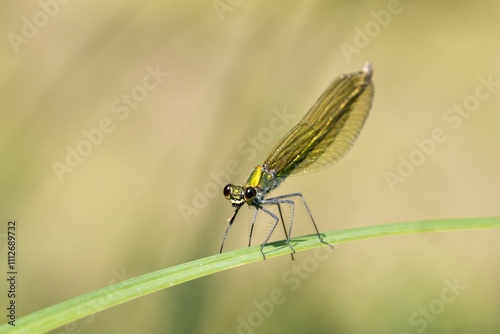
x=322, y=137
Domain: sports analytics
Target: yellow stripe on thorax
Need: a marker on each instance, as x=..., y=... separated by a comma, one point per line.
x=255, y=177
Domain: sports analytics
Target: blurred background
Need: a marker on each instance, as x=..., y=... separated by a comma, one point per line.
x=122, y=121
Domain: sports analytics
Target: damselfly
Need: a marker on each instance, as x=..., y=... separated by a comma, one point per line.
x=323, y=136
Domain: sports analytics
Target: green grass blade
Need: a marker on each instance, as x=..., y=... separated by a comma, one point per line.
x=82, y=306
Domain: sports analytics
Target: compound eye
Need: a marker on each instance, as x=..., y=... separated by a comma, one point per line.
x=227, y=191
x=250, y=193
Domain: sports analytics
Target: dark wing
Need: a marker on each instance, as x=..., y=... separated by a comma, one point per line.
x=328, y=130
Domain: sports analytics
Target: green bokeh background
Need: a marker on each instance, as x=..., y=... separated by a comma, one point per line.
x=117, y=214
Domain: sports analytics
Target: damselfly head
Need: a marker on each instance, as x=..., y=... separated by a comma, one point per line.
x=239, y=194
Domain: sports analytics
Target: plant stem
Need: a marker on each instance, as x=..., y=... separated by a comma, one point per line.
x=85, y=305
